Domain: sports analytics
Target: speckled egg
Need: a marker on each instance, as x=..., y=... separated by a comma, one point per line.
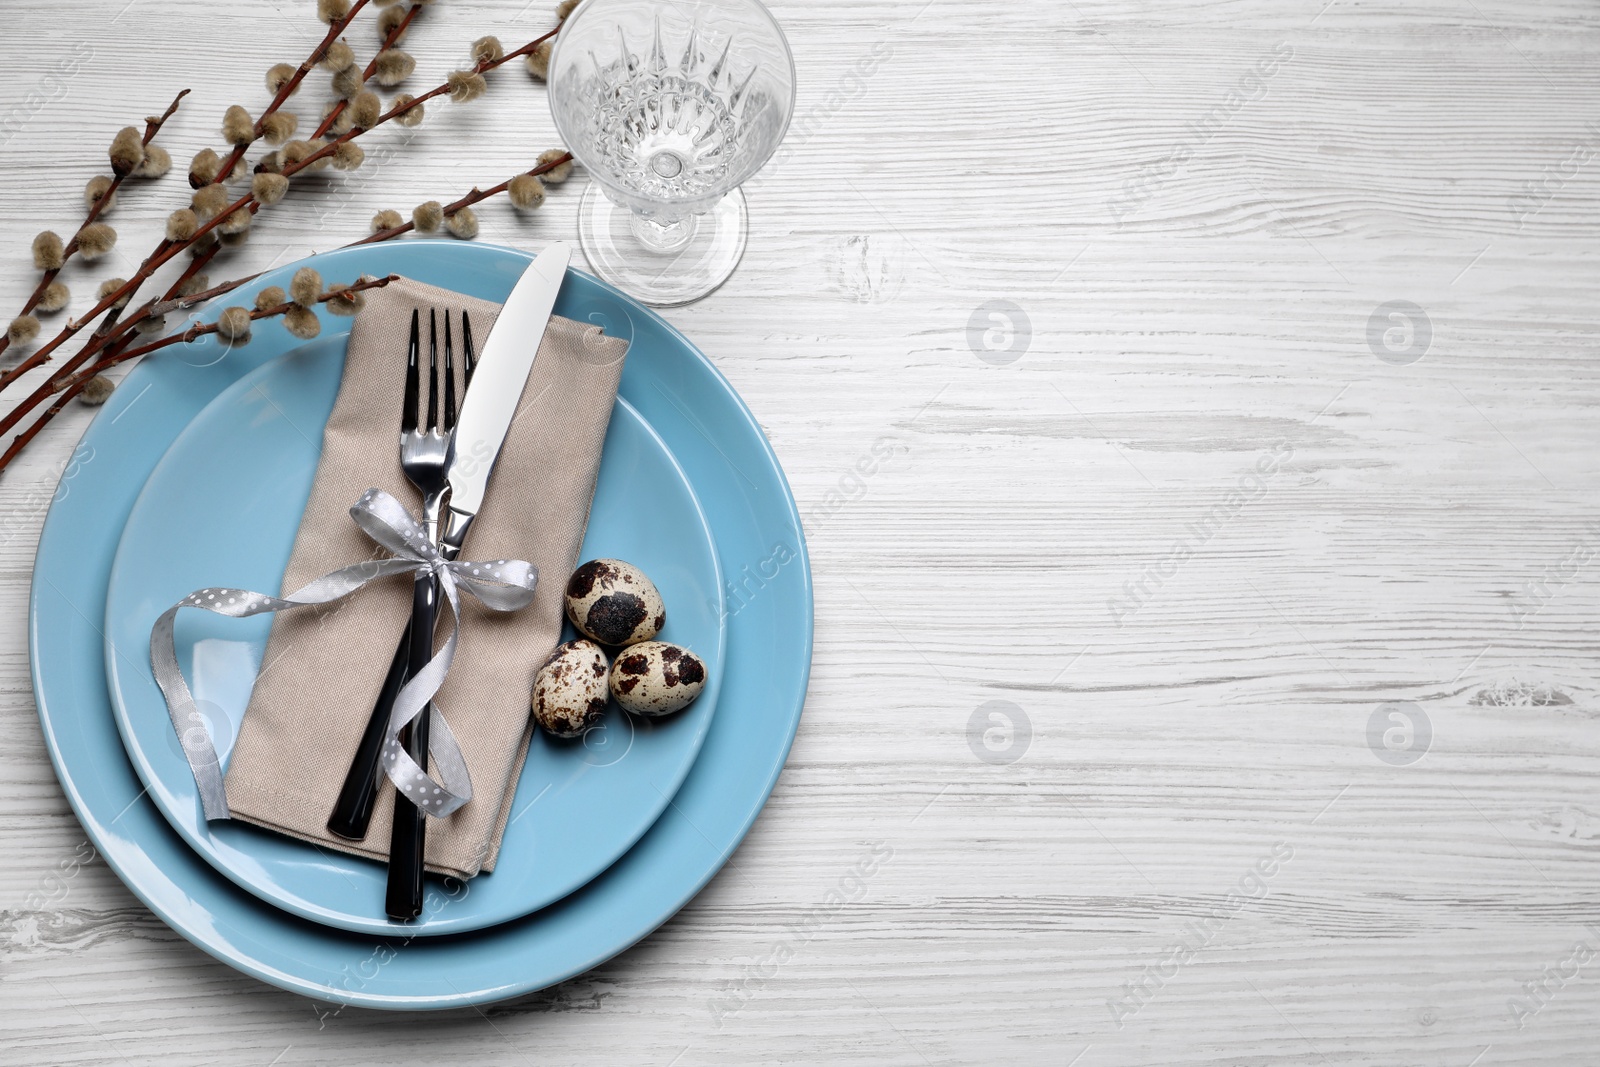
x=569, y=692
x=613, y=602
x=656, y=678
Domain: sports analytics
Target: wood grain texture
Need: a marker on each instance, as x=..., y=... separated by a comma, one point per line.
x=1198, y=246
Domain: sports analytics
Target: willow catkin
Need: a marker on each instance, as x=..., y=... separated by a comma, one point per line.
x=127, y=151
x=348, y=156
x=95, y=240
x=559, y=173
x=298, y=152
x=413, y=113
x=305, y=286
x=488, y=50
x=340, y=124
x=538, y=61
x=96, y=391
x=302, y=322
x=463, y=224
x=466, y=85
x=238, y=128
x=56, y=296
x=339, y=56
x=270, y=297
x=427, y=217
x=23, y=329
x=157, y=161
x=349, y=82
x=389, y=20
x=341, y=301
x=109, y=287
x=393, y=67
x=387, y=219
x=48, y=251
x=279, y=126
x=279, y=75
x=209, y=200
x=181, y=224
x=237, y=222
x=526, y=192
x=268, y=188
x=195, y=283
x=234, y=324
x=365, y=109
x=203, y=167
x=99, y=189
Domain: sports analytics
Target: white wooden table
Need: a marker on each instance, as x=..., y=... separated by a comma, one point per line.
x=1211, y=661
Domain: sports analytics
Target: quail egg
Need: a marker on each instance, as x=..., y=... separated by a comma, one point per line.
x=656, y=678
x=569, y=692
x=614, y=603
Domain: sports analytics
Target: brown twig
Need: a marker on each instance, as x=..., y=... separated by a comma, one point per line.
x=389, y=41
x=335, y=28
x=165, y=249
x=168, y=249
x=476, y=196
x=152, y=126
x=110, y=337
x=111, y=340
x=59, y=381
x=201, y=329
x=74, y=385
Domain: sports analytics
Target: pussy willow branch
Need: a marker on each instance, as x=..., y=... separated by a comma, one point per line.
x=65, y=378
x=152, y=126
x=201, y=329
x=75, y=385
x=475, y=197
x=166, y=250
x=335, y=29
x=225, y=170
x=110, y=336
x=389, y=41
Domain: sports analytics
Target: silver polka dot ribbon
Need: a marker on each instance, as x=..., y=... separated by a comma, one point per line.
x=501, y=585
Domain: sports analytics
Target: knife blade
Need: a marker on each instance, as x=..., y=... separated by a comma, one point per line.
x=502, y=369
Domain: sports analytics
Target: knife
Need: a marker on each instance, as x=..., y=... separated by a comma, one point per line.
x=502, y=370
x=490, y=404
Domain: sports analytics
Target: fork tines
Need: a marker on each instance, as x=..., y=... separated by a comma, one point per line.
x=440, y=416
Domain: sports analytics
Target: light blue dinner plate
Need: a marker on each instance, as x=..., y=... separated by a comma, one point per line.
x=767, y=657
x=223, y=508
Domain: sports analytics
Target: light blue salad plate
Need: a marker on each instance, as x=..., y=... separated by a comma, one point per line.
x=768, y=627
x=223, y=507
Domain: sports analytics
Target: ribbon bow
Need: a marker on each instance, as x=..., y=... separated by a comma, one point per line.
x=501, y=585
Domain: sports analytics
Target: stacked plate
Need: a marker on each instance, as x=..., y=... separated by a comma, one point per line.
x=196, y=472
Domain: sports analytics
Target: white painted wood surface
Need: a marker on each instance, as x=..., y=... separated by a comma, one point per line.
x=1199, y=291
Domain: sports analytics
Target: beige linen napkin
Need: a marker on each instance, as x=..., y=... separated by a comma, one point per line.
x=324, y=666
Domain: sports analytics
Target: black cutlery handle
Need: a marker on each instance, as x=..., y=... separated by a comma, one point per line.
x=353, y=812
x=408, y=843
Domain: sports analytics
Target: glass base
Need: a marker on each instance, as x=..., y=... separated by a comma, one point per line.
x=663, y=266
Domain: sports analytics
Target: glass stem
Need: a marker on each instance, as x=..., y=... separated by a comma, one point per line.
x=662, y=237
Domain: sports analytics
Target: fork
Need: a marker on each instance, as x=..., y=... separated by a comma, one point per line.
x=424, y=448
x=423, y=452
x=352, y=813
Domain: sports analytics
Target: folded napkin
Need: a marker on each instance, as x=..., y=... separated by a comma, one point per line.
x=324, y=666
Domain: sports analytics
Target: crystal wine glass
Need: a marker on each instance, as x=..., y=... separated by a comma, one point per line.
x=670, y=105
